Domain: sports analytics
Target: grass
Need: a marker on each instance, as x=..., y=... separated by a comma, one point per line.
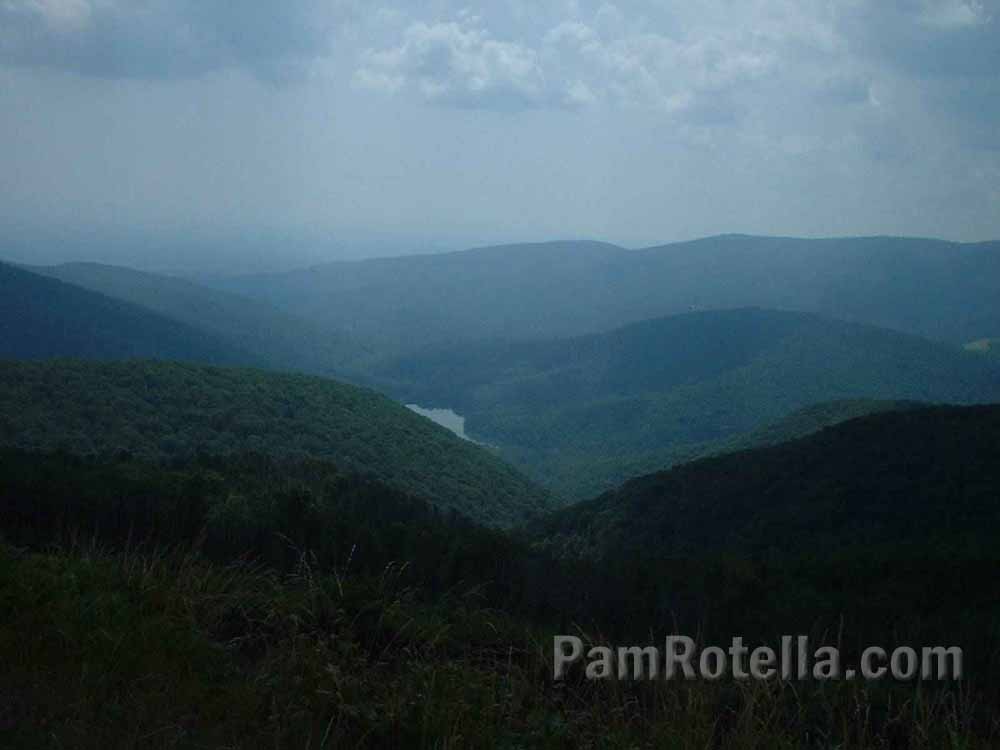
x=143, y=649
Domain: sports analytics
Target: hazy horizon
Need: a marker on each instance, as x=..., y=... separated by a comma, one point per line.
x=205, y=136
x=239, y=255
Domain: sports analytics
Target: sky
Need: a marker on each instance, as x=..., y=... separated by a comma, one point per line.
x=218, y=135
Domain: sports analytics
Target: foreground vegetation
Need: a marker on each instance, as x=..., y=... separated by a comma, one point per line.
x=132, y=649
x=251, y=601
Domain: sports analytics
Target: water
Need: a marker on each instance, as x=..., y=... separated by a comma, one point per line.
x=444, y=417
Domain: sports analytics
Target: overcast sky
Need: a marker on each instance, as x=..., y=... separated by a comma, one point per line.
x=316, y=128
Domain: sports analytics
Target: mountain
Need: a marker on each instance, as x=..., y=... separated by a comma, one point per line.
x=159, y=411
x=42, y=317
x=280, y=340
x=599, y=474
x=405, y=303
x=924, y=476
x=940, y=290
x=579, y=414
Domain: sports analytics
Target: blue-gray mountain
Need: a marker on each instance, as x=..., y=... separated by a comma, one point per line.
x=940, y=290
x=42, y=317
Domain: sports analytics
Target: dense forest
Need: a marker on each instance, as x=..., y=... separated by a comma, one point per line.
x=913, y=475
x=159, y=410
x=582, y=415
x=290, y=602
x=595, y=474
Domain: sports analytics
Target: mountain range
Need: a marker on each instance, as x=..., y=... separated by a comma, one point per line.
x=939, y=290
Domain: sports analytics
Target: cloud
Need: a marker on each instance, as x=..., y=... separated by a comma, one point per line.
x=953, y=14
x=458, y=64
x=571, y=65
x=927, y=38
x=671, y=75
x=156, y=39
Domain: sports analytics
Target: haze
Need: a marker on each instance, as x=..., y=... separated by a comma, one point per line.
x=210, y=137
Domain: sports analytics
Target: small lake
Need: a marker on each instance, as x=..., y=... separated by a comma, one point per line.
x=444, y=417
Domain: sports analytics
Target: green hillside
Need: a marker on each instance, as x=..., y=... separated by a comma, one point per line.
x=42, y=317
x=924, y=476
x=583, y=414
x=598, y=475
x=280, y=340
x=167, y=410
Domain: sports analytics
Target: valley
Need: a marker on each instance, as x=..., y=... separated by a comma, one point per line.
x=560, y=375
x=444, y=460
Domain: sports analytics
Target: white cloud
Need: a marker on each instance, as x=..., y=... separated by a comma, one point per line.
x=572, y=64
x=459, y=64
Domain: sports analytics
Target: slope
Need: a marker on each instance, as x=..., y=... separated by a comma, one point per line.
x=165, y=410
x=595, y=475
x=281, y=340
x=926, y=476
x=42, y=317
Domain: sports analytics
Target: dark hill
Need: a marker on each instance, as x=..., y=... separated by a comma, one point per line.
x=42, y=317
x=280, y=340
x=925, y=476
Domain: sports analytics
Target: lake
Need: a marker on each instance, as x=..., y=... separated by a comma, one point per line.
x=444, y=417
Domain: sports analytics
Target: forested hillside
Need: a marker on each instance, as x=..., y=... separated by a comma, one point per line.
x=42, y=317
x=259, y=601
x=582, y=414
x=160, y=411
x=280, y=340
x=940, y=290
x=598, y=475
x=925, y=476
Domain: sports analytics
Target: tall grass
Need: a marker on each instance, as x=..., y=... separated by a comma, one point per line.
x=143, y=648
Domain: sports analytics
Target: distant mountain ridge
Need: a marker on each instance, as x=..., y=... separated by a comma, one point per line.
x=340, y=317
x=936, y=289
x=279, y=339
x=42, y=317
